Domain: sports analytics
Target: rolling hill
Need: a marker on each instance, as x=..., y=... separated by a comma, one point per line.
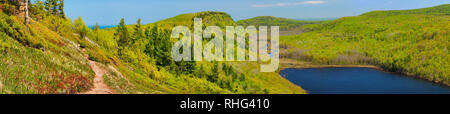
x=413, y=42
x=287, y=26
x=284, y=23
x=209, y=18
x=437, y=10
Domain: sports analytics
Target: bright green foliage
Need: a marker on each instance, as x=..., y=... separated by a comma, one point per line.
x=61, y=9
x=50, y=55
x=138, y=32
x=55, y=7
x=34, y=59
x=96, y=27
x=209, y=18
x=159, y=46
x=43, y=56
x=9, y=25
x=80, y=27
x=123, y=36
x=4, y=46
x=411, y=41
x=154, y=71
x=10, y=6
x=285, y=24
x=37, y=10
x=437, y=10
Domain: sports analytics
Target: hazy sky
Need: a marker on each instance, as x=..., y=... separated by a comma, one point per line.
x=109, y=12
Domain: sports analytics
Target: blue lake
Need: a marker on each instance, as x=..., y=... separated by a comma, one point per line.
x=359, y=81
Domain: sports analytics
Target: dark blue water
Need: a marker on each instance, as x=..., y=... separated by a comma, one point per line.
x=359, y=81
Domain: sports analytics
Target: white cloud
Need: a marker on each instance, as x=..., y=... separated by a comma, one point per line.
x=289, y=4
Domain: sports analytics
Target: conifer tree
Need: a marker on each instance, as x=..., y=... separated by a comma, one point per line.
x=151, y=35
x=50, y=6
x=80, y=27
x=96, y=27
x=123, y=36
x=137, y=31
x=37, y=10
x=61, y=9
x=55, y=7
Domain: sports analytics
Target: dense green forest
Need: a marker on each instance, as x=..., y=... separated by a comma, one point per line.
x=284, y=23
x=146, y=50
x=48, y=56
x=288, y=27
x=414, y=42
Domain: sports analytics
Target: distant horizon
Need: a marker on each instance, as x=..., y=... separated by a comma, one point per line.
x=110, y=12
x=300, y=19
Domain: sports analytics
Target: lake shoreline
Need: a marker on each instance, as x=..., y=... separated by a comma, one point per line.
x=295, y=64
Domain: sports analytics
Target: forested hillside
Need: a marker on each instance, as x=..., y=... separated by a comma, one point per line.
x=414, y=42
x=51, y=53
x=437, y=10
x=284, y=23
x=144, y=50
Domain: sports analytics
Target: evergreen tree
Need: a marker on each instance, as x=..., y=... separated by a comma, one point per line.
x=214, y=77
x=186, y=67
x=54, y=4
x=163, y=48
x=151, y=35
x=37, y=10
x=137, y=31
x=51, y=6
x=55, y=7
x=159, y=46
x=96, y=27
x=201, y=73
x=48, y=6
x=61, y=9
x=122, y=36
x=122, y=33
x=80, y=27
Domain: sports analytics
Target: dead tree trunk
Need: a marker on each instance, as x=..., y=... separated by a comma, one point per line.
x=27, y=18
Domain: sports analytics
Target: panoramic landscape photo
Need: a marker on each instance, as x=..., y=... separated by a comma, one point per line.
x=224, y=47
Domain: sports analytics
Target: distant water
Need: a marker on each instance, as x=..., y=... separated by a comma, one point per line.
x=317, y=19
x=359, y=81
x=103, y=26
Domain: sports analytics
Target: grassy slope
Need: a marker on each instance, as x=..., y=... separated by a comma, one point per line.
x=144, y=77
x=414, y=42
x=437, y=10
x=25, y=68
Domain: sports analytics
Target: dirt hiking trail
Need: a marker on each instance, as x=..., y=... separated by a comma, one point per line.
x=99, y=83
